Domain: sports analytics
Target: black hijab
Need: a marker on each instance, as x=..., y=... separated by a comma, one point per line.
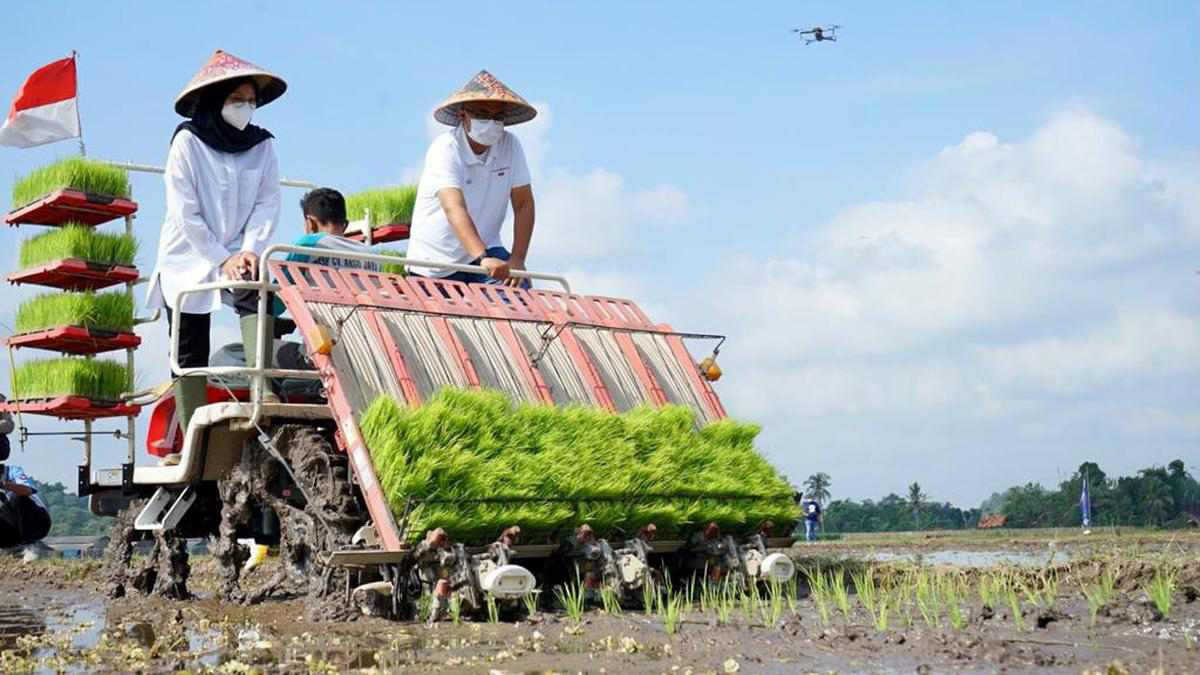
x=208, y=125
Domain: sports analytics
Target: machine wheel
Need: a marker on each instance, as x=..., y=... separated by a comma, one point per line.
x=164, y=572
x=325, y=522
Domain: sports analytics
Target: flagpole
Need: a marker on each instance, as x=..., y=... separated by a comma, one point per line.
x=78, y=117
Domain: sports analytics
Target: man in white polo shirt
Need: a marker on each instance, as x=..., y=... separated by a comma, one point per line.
x=472, y=173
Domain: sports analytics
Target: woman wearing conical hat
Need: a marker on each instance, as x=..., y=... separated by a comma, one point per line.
x=472, y=173
x=222, y=206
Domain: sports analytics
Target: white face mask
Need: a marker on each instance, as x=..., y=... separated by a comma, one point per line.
x=485, y=132
x=237, y=114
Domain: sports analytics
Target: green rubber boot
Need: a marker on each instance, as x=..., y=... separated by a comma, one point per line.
x=249, y=325
x=191, y=392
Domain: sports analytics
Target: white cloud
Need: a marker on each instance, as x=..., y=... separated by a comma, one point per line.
x=1029, y=289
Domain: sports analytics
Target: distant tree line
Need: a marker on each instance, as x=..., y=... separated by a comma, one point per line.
x=1164, y=497
x=69, y=514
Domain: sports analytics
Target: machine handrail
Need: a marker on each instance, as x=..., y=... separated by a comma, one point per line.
x=264, y=287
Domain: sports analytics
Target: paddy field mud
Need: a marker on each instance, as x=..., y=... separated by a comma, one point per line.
x=1020, y=602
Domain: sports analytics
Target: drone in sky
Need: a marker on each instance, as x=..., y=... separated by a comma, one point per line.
x=818, y=33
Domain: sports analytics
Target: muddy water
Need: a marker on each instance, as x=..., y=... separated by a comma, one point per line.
x=56, y=618
x=964, y=558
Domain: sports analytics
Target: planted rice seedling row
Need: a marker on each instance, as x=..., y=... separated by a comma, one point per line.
x=467, y=445
x=73, y=173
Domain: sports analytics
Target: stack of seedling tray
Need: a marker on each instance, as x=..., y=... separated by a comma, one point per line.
x=388, y=212
x=79, y=319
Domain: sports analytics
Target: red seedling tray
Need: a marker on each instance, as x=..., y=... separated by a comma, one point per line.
x=64, y=205
x=379, y=235
x=71, y=408
x=75, y=275
x=75, y=340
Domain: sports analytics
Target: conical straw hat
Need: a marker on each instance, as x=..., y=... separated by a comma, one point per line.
x=224, y=66
x=485, y=87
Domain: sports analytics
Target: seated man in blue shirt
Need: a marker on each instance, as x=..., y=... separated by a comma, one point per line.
x=23, y=516
x=324, y=226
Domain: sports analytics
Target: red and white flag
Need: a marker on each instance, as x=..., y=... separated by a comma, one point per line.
x=45, y=108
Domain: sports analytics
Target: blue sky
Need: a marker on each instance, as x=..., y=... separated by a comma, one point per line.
x=957, y=246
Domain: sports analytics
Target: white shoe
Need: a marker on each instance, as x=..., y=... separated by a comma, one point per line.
x=31, y=554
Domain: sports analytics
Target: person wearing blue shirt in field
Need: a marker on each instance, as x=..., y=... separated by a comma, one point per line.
x=813, y=517
x=23, y=516
x=324, y=226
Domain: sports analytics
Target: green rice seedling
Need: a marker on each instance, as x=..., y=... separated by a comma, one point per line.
x=881, y=615
x=672, y=613
x=927, y=602
x=389, y=206
x=96, y=379
x=1159, y=591
x=841, y=594
x=746, y=604
x=471, y=444
x=608, y=601
x=456, y=610
x=649, y=593
x=572, y=597
x=1107, y=585
x=1014, y=603
x=78, y=242
x=772, y=605
x=790, y=593
x=1050, y=583
x=864, y=588
x=1094, y=597
x=724, y=603
x=1189, y=641
x=988, y=590
x=1031, y=591
x=955, y=614
x=392, y=268
x=530, y=601
x=424, y=606
x=493, y=610
x=102, y=311
x=75, y=173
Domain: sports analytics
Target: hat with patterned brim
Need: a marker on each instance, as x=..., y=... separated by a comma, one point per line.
x=484, y=87
x=224, y=66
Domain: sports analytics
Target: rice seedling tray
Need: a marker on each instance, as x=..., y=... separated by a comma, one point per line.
x=75, y=340
x=71, y=408
x=386, y=233
x=75, y=275
x=65, y=205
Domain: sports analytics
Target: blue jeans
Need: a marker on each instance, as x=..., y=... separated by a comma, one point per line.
x=812, y=529
x=472, y=278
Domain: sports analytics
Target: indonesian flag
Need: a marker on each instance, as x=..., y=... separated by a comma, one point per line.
x=45, y=108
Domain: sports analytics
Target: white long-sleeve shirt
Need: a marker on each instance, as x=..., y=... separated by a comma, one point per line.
x=218, y=204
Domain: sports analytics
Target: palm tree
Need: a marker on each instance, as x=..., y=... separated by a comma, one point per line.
x=915, y=499
x=1156, y=495
x=817, y=486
